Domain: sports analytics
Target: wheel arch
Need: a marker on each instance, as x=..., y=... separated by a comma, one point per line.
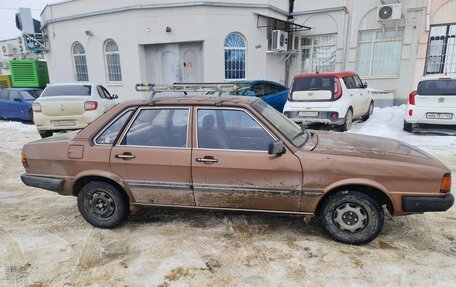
x=376, y=191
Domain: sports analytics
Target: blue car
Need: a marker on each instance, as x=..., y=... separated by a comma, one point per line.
x=272, y=93
x=16, y=103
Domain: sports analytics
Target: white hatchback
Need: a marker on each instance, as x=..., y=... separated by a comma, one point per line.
x=63, y=107
x=328, y=98
x=432, y=103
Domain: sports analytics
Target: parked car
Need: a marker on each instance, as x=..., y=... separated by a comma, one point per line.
x=16, y=103
x=272, y=93
x=432, y=103
x=328, y=98
x=235, y=154
x=64, y=107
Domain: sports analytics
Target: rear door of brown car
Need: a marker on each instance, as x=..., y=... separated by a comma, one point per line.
x=153, y=156
x=231, y=167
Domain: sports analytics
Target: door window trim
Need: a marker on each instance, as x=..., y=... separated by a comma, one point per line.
x=109, y=124
x=229, y=108
x=136, y=114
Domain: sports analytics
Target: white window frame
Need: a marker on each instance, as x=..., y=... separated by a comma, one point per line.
x=373, y=41
x=311, y=48
x=117, y=67
x=235, y=48
x=80, y=69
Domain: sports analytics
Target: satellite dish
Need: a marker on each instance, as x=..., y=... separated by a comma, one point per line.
x=385, y=12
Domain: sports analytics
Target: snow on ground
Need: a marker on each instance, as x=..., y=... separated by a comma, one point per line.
x=44, y=241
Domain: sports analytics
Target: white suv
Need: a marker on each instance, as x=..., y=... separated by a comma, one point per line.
x=329, y=98
x=432, y=103
x=73, y=106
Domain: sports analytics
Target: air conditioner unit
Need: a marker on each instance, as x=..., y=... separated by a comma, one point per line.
x=4, y=65
x=8, y=49
x=389, y=12
x=295, y=43
x=22, y=46
x=279, y=40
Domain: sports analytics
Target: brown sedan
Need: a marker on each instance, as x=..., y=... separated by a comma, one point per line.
x=191, y=152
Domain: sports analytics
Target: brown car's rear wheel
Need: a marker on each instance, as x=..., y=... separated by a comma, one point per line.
x=351, y=217
x=103, y=205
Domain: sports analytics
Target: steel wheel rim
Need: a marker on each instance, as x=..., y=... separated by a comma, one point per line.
x=350, y=216
x=100, y=204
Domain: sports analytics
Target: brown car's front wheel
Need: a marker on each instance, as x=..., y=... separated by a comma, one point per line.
x=103, y=205
x=351, y=217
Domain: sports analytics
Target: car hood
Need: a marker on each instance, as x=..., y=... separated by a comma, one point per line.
x=349, y=144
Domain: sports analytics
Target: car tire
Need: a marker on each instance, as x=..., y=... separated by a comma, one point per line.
x=351, y=217
x=346, y=126
x=31, y=116
x=103, y=205
x=408, y=127
x=45, y=134
x=370, y=111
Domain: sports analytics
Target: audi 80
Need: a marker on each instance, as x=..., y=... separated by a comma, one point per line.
x=237, y=154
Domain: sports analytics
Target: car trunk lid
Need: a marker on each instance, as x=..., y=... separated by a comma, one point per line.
x=62, y=106
x=439, y=93
x=317, y=91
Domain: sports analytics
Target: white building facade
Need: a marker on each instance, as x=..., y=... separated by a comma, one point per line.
x=118, y=45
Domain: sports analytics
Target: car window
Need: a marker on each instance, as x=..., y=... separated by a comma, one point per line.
x=101, y=92
x=231, y=129
x=107, y=94
x=67, y=90
x=257, y=89
x=358, y=83
x=314, y=83
x=443, y=87
x=158, y=128
x=28, y=95
x=4, y=95
x=112, y=131
x=350, y=82
x=14, y=95
x=272, y=89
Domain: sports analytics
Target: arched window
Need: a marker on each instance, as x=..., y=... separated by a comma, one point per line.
x=112, y=61
x=80, y=62
x=235, y=56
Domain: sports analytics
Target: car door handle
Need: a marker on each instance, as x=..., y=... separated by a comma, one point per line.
x=125, y=156
x=351, y=95
x=207, y=159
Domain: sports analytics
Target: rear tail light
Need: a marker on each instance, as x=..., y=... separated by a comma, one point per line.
x=36, y=107
x=410, y=112
x=338, y=89
x=445, y=186
x=334, y=115
x=24, y=161
x=412, y=98
x=90, y=105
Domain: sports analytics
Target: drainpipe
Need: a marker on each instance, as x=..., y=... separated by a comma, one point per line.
x=289, y=60
x=428, y=16
x=346, y=38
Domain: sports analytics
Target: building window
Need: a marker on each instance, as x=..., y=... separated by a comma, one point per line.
x=80, y=62
x=379, y=52
x=318, y=53
x=112, y=61
x=441, y=51
x=235, y=57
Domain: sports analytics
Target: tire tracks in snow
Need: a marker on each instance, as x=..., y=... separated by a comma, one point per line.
x=13, y=261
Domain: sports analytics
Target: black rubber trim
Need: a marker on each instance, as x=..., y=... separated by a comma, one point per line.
x=52, y=184
x=424, y=204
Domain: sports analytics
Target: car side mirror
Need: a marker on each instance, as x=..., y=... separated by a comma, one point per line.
x=276, y=148
x=17, y=100
x=114, y=97
x=365, y=85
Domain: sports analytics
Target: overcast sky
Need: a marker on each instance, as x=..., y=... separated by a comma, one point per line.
x=8, y=9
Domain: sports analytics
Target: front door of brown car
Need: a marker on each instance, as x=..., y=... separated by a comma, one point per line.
x=231, y=167
x=153, y=157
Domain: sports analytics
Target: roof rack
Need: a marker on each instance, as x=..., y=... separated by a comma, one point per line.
x=185, y=88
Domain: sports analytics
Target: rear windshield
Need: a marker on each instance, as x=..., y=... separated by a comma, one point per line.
x=67, y=90
x=437, y=88
x=314, y=83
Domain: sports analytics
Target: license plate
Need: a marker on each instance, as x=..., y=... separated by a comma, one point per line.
x=308, y=114
x=63, y=123
x=442, y=116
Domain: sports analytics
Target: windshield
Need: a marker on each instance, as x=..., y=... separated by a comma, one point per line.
x=287, y=128
x=67, y=90
x=437, y=87
x=29, y=95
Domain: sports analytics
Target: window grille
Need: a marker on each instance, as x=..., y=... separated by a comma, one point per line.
x=235, y=56
x=318, y=53
x=80, y=62
x=112, y=61
x=441, y=50
x=379, y=52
